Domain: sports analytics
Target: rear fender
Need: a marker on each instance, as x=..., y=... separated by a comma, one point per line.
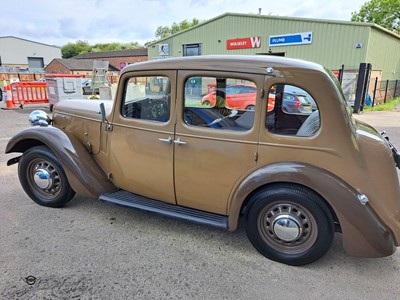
x=364, y=234
x=84, y=174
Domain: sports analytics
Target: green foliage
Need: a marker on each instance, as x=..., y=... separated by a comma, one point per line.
x=382, y=12
x=71, y=50
x=389, y=105
x=165, y=31
x=81, y=47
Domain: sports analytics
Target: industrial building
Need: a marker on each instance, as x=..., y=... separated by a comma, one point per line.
x=18, y=54
x=327, y=42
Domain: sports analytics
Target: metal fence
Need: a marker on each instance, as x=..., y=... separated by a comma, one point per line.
x=384, y=90
x=21, y=70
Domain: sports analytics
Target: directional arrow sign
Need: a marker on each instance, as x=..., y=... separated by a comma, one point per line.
x=290, y=39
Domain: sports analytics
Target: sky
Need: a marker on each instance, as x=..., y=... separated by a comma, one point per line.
x=59, y=22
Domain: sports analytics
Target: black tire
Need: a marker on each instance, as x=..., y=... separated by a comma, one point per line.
x=206, y=103
x=250, y=107
x=289, y=224
x=43, y=178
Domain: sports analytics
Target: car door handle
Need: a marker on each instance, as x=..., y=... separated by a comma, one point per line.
x=168, y=140
x=179, y=142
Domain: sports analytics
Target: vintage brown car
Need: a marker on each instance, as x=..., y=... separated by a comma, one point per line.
x=296, y=179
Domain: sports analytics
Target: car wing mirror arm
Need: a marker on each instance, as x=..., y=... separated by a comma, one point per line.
x=103, y=117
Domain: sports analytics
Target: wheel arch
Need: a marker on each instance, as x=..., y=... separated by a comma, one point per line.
x=374, y=240
x=83, y=173
x=276, y=184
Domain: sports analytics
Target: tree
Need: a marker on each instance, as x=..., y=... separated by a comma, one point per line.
x=77, y=48
x=165, y=31
x=81, y=47
x=382, y=12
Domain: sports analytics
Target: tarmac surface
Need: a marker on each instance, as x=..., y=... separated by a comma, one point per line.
x=94, y=250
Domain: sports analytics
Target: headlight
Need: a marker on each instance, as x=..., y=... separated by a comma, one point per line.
x=39, y=117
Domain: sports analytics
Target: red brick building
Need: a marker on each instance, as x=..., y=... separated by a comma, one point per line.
x=82, y=67
x=119, y=58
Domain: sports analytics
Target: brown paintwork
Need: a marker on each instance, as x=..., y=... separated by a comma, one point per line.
x=343, y=160
x=83, y=173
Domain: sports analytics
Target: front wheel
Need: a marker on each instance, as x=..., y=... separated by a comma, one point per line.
x=43, y=178
x=289, y=224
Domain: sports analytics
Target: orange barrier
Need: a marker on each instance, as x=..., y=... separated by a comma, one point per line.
x=23, y=93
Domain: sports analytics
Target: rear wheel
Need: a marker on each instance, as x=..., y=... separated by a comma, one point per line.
x=206, y=103
x=43, y=178
x=250, y=107
x=289, y=224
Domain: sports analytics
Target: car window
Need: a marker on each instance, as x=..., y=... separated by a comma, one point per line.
x=147, y=98
x=219, y=103
x=291, y=111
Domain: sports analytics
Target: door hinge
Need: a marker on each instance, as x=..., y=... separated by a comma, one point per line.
x=255, y=156
x=262, y=93
x=90, y=147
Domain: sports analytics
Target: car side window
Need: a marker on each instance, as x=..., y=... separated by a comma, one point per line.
x=291, y=111
x=147, y=98
x=220, y=103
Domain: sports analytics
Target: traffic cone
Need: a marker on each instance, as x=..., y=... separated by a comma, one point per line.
x=9, y=103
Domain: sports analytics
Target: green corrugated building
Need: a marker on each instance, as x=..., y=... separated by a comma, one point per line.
x=327, y=42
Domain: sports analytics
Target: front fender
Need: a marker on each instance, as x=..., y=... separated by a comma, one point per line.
x=83, y=173
x=364, y=234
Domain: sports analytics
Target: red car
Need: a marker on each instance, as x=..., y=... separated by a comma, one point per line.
x=238, y=96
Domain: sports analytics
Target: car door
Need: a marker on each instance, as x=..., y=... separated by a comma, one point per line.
x=140, y=143
x=215, y=147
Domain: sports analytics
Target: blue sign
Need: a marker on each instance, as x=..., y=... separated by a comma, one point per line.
x=290, y=39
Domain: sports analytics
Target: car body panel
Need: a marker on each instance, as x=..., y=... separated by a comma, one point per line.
x=83, y=172
x=374, y=240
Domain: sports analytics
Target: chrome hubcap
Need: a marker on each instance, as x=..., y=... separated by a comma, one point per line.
x=286, y=228
x=43, y=179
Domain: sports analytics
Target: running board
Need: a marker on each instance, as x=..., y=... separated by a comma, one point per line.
x=125, y=198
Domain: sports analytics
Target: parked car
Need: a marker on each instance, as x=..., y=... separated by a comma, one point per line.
x=238, y=96
x=244, y=97
x=293, y=103
x=87, y=87
x=295, y=179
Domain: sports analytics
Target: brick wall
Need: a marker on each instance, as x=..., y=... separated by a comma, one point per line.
x=117, y=61
x=56, y=67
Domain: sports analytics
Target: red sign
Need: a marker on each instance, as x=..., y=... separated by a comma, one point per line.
x=244, y=43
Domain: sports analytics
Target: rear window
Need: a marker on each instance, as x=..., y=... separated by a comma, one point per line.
x=291, y=111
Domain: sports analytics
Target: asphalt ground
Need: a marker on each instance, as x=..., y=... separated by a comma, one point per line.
x=94, y=250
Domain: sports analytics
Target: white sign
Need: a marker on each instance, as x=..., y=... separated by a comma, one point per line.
x=163, y=49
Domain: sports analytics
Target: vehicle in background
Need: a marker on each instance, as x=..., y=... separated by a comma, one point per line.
x=87, y=87
x=244, y=97
x=238, y=96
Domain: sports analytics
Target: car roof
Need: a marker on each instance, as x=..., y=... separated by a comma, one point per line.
x=245, y=63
